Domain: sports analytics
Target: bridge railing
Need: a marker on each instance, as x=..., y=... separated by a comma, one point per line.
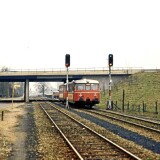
x=74, y=69
x=103, y=70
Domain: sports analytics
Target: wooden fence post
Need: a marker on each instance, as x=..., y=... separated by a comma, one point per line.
x=128, y=106
x=156, y=108
x=143, y=107
x=2, y=115
x=123, y=100
x=139, y=108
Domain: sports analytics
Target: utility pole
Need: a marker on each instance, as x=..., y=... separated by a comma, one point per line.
x=110, y=63
x=67, y=64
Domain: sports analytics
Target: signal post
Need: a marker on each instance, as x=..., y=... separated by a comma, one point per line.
x=67, y=64
x=110, y=64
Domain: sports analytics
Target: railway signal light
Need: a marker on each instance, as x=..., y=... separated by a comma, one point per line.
x=110, y=59
x=67, y=64
x=110, y=63
x=67, y=60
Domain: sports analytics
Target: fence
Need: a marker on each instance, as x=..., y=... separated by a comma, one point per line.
x=131, y=107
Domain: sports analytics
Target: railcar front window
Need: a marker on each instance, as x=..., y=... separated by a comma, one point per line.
x=88, y=87
x=80, y=87
x=94, y=86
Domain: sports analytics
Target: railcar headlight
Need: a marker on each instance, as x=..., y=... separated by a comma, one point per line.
x=95, y=95
x=80, y=95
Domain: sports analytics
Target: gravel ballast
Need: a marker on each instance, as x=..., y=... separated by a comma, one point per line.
x=31, y=136
x=124, y=133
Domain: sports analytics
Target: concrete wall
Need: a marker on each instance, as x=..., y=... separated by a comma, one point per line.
x=104, y=80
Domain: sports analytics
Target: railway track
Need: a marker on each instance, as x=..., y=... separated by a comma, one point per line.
x=150, y=125
x=85, y=142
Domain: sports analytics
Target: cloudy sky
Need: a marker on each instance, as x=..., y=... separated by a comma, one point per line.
x=38, y=33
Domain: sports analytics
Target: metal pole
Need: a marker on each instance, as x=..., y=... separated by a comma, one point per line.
x=110, y=80
x=67, y=105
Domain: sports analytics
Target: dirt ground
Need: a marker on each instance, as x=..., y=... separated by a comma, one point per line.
x=25, y=134
x=14, y=132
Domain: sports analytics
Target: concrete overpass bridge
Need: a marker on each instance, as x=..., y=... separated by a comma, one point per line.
x=59, y=75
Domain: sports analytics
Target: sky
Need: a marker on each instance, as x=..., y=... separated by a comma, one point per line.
x=37, y=34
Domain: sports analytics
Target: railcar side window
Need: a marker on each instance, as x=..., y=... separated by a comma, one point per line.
x=94, y=86
x=65, y=88
x=61, y=89
x=80, y=87
x=70, y=87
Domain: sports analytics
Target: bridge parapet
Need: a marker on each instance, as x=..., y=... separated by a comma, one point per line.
x=72, y=71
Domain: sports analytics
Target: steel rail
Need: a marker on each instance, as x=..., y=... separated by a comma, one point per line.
x=125, y=121
x=134, y=118
x=132, y=123
x=99, y=135
x=129, y=116
x=69, y=143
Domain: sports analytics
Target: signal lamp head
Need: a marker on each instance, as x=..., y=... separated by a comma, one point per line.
x=110, y=59
x=67, y=60
x=67, y=65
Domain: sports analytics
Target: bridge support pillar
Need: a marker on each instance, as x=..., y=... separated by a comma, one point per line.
x=27, y=91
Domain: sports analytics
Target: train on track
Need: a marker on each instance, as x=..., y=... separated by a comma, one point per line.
x=81, y=92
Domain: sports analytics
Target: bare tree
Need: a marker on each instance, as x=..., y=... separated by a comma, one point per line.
x=5, y=86
x=4, y=69
x=41, y=87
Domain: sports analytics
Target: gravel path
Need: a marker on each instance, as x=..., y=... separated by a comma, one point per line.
x=9, y=129
x=25, y=145
x=26, y=134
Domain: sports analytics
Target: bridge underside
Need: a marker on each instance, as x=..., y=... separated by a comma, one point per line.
x=38, y=78
x=35, y=78
x=103, y=79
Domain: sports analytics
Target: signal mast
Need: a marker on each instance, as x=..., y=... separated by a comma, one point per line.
x=67, y=64
x=110, y=64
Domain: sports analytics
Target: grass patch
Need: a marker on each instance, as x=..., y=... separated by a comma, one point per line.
x=140, y=88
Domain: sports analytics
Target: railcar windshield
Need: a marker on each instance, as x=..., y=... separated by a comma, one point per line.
x=94, y=86
x=86, y=86
x=80, y=86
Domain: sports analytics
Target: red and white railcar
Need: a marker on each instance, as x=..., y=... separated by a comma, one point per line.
x=81, y=92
